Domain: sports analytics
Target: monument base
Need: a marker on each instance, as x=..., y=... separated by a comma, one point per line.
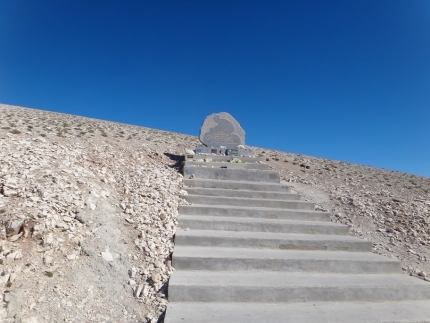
x=201, y=150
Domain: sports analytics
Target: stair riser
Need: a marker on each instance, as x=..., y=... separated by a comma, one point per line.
x=228, y=165
x=254, y=213
x=244, y=194
x=295, y=294
x=261, y=227
x=244, y=159
x=288, y=265
x=237, y=185
x=232, y=174
x=282, y=244
x=235, y=201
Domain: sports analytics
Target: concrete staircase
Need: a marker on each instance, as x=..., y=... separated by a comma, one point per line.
x=252, y=251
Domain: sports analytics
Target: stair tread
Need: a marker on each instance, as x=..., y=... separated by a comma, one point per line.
x=250, y=253
x=243, y=198
x=268, y=235
x=210, y=218
x=324, y=312
x=235, y=190
x=235, y=170
x=197, y=180
x=232, y=207
x=290, y=279
x=216, y=164
x=244, y=159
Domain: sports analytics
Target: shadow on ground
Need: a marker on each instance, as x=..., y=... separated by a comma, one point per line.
x=178, y=159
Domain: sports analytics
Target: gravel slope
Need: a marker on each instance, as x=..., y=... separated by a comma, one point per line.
x=88, y=212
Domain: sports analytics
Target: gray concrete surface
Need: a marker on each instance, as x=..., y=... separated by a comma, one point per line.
x=237, y=185
x=270, y=240
x=243, y=286
x=262, y=176
x=198, y=222
x=214, y=158
x=227, y=165
x=306, y=312
x=232, y=259
x=247, y=202
x=254, y=212
x=242, y=193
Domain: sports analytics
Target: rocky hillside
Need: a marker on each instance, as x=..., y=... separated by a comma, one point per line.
x=88, y=212
x=389, y=208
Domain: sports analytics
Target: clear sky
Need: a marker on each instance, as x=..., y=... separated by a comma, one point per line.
x=344, y=80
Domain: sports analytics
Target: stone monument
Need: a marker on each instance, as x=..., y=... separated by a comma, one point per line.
x=221, y=134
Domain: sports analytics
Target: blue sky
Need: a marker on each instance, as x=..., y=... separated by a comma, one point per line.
x=344, y=80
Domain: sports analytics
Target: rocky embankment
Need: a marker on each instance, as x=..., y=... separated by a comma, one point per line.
x=88, y=213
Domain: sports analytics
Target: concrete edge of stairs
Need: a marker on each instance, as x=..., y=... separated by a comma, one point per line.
x=253, y=252
x=306, y=312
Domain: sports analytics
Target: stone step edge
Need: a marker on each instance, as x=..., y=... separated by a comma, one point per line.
x=236, y=182
x=269, y=235
x=241, y=190
x=244, y=198
x=303, y=312
x=252, y=208
x=251, y=253
x=209, y=218
x=274, y=279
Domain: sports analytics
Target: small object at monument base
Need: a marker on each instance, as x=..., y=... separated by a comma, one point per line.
x=232, y=152
x=201, y=150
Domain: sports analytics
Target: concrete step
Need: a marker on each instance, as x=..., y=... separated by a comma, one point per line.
x=236, y=185
x=254, y=212
x=307, y=312
x=233, y=259
x=247, y=202
x=242, y=193
x=270, y=240
x=242, y=286
x=220, y=158
x=260, y=225
x=265, y=176
x=228, y=165
x=255, y=255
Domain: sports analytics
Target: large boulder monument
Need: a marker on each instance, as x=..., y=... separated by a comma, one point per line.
x=221, y=134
